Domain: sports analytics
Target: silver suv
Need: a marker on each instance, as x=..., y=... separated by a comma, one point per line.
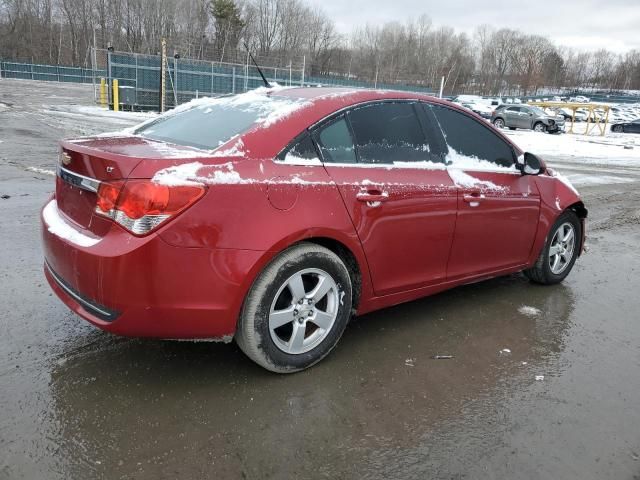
x=527, y=116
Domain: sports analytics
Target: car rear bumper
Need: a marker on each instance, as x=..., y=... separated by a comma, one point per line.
x=145, y=287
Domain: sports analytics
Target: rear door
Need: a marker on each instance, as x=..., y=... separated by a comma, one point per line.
x=389, y=169
x=498, y=208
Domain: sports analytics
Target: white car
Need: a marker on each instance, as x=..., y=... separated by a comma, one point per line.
x=581, y=99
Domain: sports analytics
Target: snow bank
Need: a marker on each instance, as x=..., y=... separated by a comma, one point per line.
x=589, y=149
x=59, y=226
x=529, y=311
x=42, y=171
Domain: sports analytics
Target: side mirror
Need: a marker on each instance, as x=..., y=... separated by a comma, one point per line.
x=530, y=164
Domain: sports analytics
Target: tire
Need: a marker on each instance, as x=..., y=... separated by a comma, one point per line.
x=512, y=128
x=539, y=127
x=272, y=301
x=542, y=271
x=498, y=123
x=617, y=129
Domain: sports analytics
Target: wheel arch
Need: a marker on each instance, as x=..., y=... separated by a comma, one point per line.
x=350, y=260
x=348, y=249
x=580, y=210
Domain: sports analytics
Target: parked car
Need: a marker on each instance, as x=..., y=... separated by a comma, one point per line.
x=567, y=113
x=627, y=127
x=275, y=215
x=527, y=116
x=580, y=99
x=483, y=110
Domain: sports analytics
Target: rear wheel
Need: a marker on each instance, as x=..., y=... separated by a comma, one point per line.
x=297, y=309
x=539, y=127
x=560, y=251
x=512, y=128
x=499, y=123
x=617, y=128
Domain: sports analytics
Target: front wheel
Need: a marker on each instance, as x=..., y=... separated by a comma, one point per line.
x=297, y=309
x=539, y=127
x=560, y=251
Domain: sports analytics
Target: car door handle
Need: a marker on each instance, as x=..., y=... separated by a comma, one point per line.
x=372, y=196
x=473, y=199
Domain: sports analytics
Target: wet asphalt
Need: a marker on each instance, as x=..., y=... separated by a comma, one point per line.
x=564, y=403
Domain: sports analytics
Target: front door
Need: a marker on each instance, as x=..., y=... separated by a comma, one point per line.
x=512, y=117
x=498, y=208
x=400, y=198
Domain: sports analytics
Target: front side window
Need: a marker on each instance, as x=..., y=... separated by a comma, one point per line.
x=388, y=133
x=470, y=141
x=336, y=143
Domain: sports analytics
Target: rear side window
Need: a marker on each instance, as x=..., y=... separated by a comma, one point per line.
x=303, y=151
x=466, y=137
x=388, y=133
x=336, y=143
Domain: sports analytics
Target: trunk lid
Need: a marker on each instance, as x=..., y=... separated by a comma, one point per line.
x=85, y=163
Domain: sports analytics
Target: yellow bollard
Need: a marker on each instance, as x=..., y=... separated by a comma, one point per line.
x=103, y=93
x=116, y=100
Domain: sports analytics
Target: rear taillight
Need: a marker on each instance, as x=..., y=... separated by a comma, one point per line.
x=142, y=205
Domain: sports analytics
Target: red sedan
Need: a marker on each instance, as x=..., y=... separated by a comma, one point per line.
x=273, y=216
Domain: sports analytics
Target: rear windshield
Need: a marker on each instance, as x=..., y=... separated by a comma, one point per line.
x=210, y=122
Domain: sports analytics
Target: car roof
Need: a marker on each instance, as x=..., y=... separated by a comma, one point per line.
x=323, y=102
x=345, y=95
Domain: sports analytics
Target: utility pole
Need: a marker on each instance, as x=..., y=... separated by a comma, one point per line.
x=93, y=67
x=163, y=76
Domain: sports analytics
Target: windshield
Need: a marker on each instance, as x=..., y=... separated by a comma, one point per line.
x=538, y=111
x=210, y=122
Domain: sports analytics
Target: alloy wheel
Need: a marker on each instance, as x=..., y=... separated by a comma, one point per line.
x=303, y=311
x=562, y=248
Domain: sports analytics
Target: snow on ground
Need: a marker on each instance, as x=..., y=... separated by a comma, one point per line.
x=586, y=160
x=590, y=149
x=108, y=117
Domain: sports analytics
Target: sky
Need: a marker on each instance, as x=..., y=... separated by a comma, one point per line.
x=580, y=24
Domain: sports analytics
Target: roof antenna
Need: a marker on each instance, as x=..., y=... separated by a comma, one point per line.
x=266, y=84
